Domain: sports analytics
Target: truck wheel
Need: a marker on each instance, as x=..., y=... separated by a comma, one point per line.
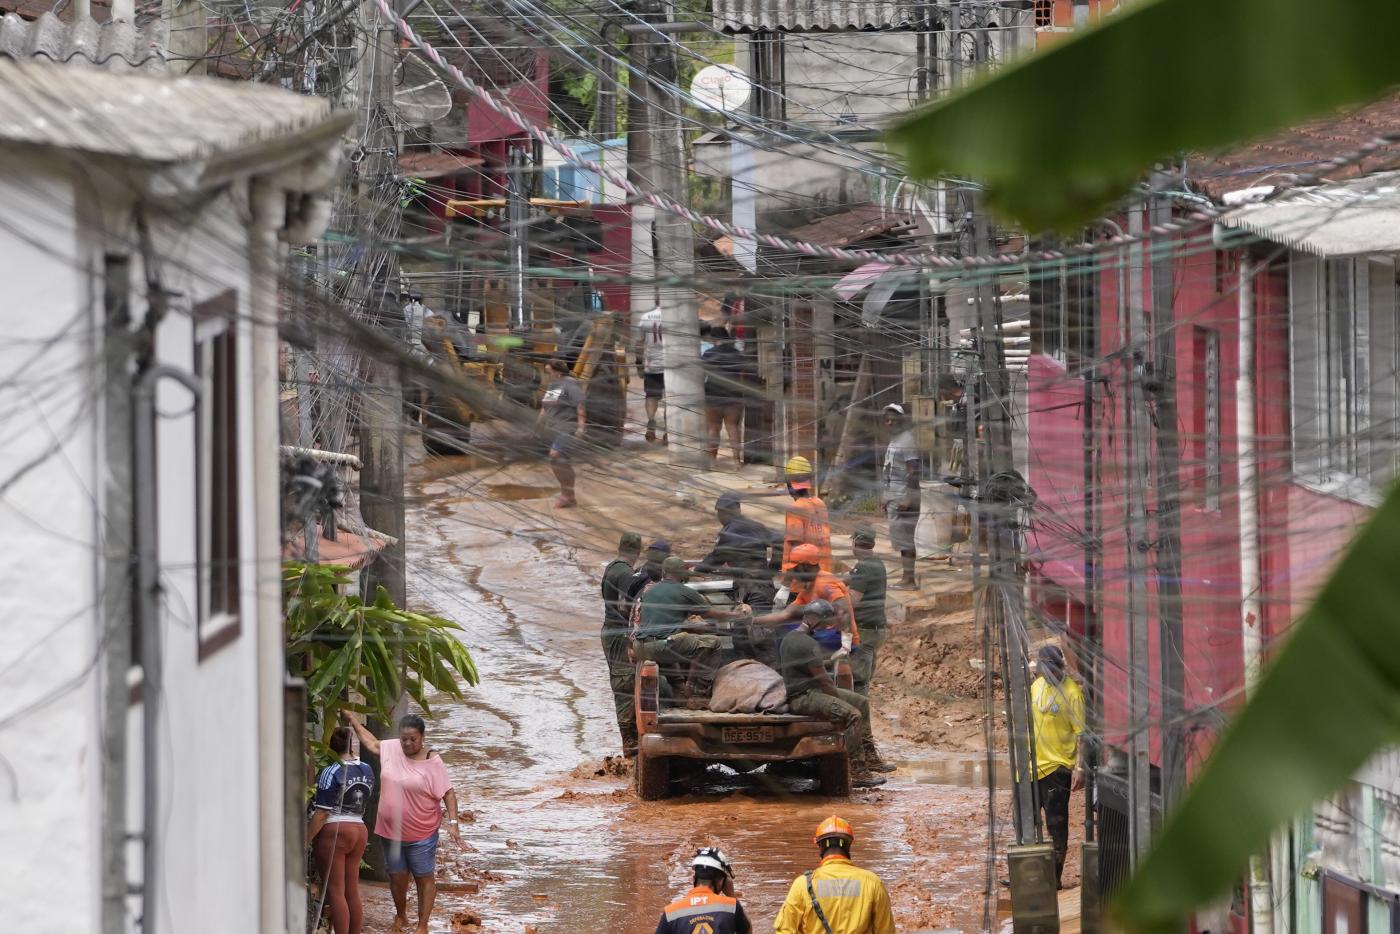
x=653, y=777
x=834, y=774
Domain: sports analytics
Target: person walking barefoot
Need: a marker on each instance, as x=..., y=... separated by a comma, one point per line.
x=414, y=788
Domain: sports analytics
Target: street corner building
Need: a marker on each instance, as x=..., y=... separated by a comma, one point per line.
x=144, y=778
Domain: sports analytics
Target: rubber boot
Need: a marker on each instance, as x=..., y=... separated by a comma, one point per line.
x=873, y=761
x=862, y=777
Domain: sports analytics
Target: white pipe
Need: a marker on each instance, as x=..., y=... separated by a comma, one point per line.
x=1251, y=622
x=269, y=216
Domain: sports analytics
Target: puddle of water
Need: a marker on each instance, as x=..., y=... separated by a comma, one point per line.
x=961, y=771
x=517, y=491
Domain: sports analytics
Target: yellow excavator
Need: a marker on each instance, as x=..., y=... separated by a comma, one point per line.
x=509, y=364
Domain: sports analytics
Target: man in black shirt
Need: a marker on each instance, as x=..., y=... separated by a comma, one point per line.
x=748, y=551
x=616, y=577
x=867, y=584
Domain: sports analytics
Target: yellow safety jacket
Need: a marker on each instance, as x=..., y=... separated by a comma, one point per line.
x=854, y=901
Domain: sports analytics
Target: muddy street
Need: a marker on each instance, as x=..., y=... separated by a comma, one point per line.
x=558, y=840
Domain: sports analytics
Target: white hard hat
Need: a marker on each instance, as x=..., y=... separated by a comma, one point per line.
x=712, y=858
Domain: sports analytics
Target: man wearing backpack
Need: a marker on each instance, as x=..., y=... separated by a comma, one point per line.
x=837, y=897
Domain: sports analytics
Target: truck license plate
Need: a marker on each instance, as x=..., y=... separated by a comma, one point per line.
x=748, y=734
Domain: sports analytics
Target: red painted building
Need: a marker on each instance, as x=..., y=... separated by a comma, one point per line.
x=1326, y=396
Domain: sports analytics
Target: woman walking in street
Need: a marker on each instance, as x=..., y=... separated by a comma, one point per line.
x=337, y=832
x=561, y=409
x=413, y=789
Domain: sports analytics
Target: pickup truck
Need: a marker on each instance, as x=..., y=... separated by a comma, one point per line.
x=667, y=733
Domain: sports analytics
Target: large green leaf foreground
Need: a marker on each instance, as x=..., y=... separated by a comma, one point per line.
x=1057, y=137
x=1329, y=700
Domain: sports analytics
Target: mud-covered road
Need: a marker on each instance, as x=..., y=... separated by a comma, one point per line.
x=559, y=841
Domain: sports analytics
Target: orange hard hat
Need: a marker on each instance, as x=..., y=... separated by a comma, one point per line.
x=833, y=826
x=806, y=553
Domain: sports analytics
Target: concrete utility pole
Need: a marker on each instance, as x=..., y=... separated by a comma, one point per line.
x=518, y=221
x=1136, y=419
x=1168, y=513
x=1007, y=614
x=117, y=621
x=382, y=428
x=663, y=167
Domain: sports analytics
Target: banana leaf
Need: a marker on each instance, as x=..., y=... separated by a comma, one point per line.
x=1330, y=699
x=1057, y=137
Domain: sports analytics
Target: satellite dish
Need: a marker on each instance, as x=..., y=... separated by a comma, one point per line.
x=720, y=87
x=420, y=97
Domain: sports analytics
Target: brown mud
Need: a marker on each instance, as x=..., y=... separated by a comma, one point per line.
x=560, y=842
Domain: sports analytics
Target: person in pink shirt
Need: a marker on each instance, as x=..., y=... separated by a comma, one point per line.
x=413, y=787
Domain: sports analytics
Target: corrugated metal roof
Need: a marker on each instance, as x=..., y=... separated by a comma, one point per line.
x=120, y=46
x=852, y=226
x=814, y=15
x=143, y=117
x=1347, y=219
x=436, y=164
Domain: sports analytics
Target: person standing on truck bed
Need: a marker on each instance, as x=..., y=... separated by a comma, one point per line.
x=710, y=906
x=745, y=549
x=663, y=611
x=866, y=586
x=645, y=576
x=621, y=672
x=812, y=693
x=837, y=897
x=807, y=521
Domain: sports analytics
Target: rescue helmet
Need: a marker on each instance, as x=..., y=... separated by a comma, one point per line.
x=821, y=609
x=798, y=468
x=833, y=826
x=806, y=553
x=712, y=857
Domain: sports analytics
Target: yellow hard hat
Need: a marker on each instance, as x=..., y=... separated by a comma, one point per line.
x=798, y=466
x=833, y=826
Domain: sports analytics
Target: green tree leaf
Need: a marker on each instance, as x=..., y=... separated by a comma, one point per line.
x=1059, y=136
x=1329, y=701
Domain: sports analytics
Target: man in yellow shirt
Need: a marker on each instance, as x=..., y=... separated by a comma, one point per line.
x=1057, y=721
x=837, y=897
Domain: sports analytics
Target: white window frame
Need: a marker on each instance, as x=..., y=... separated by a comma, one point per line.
x=1343, y=367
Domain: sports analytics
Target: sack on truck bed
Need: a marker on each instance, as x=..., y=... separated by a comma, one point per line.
x=747, y=686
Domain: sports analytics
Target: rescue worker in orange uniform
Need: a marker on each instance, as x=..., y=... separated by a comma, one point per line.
x=837, y=897
x=809, y=583
x=710, y=907
x=807, y=521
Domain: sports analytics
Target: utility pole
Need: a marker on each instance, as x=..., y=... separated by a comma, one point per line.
x=117, y=621
x=518, y=221
x=998, y=487
x=662, y=166
x=382, y=428
x=1168, y=511
x=1136, y=419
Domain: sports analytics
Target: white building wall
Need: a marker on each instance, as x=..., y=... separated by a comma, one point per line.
x=209, y=765
x=50, y=756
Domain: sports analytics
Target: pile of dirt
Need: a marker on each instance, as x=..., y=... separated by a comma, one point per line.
x=930, y=686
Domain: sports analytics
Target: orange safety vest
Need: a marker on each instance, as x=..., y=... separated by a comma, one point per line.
x=807, y=523
x=830, y=588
